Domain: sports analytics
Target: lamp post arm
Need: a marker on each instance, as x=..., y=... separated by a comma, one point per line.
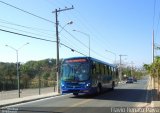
x=113, y=54
x=88, y=39
x=62, y=28
x=11, y=47
x=23, y=46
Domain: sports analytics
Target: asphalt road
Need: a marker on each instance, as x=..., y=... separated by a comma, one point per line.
x=124, y=96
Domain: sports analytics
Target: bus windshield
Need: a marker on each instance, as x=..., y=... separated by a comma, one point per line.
x=75, y=71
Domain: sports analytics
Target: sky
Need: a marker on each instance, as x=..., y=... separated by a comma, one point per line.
x=114, y=27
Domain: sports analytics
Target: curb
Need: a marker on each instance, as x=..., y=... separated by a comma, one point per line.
x=155, y=104
x=27, y=100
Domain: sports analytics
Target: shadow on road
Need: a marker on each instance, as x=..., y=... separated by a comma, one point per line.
x=131, y=95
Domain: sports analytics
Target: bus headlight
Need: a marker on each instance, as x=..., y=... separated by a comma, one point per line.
x=88, y=84
x=62, y=84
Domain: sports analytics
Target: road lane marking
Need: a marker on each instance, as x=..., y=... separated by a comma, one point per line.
x=80, y=103
x=34, y=101
x=63, y=109
x=75, y=105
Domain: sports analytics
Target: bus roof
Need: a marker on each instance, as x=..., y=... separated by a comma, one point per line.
x=93, y=59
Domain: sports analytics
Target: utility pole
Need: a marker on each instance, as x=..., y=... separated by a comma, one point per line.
x=132, y=68
x=120, y=68
x=57, y=41
x=153, y=58
x=153, y=47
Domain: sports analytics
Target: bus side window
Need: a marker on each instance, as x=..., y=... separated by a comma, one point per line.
x=110, y=71
x=106, y=70
x=97, y=68
x=93, y=69
x=113, y=72
x=102, y=69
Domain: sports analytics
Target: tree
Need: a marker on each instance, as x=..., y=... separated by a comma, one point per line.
x=29, y=73
x=154, y=67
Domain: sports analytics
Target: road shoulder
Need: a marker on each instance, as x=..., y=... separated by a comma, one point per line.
x=8, y=102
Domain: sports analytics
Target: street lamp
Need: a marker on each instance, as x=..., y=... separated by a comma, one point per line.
x=69, y=23
x=112, y=53
x=18, y=77
x=87, y=36
x=132, y=68
x=120, y=68
x=57, y=46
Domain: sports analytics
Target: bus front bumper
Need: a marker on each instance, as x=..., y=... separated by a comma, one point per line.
x=70, y=90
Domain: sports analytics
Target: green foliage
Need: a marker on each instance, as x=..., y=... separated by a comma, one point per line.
x=126, y=71
x=132, y=72
x=154, y=68
x=8, y=76
x=30, y=72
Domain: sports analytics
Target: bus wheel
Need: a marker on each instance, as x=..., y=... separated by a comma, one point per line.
x=75, y=94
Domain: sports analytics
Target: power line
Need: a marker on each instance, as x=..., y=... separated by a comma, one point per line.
x=26, y=12
x=26, y=35
x=76, y=38
x=66, y=39
x=100, y=55
x=25, y=31
x=83, y=20
x=93, y=52
x=39, y=18
x=41, y=39
x=73, y=49
x=71, y=43
x=79, y=40
x=27, y=27
x=42, y=19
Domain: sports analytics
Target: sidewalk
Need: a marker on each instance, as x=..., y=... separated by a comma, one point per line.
x=154, y=100
x=26, y=99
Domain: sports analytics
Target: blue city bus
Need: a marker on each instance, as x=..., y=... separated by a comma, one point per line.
x=87, y=75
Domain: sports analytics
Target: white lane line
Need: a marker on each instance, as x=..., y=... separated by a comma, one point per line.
x=34, y=101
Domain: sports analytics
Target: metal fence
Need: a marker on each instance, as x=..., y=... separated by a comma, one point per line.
x=4, y=95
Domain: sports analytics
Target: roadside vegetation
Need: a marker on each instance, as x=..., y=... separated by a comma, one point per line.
x=153, y=70
x=137, y=73
x=30, y=73
x=43, y=71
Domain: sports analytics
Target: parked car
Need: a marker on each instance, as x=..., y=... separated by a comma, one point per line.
x=129, y=80
x=134, y=79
